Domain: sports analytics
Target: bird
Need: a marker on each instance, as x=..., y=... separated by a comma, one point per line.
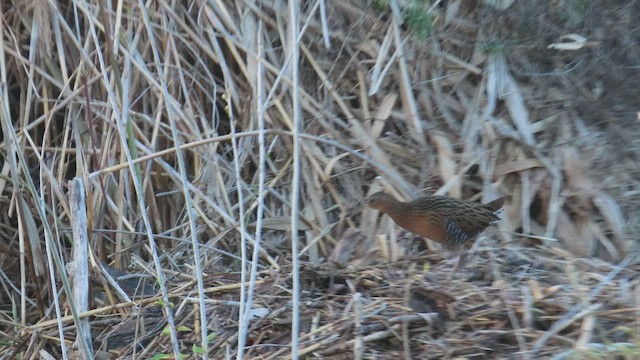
x=446, y=220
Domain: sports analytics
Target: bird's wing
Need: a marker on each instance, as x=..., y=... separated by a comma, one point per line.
x=456, y=235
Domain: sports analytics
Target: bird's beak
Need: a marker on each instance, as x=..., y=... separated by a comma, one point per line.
x=357, y=208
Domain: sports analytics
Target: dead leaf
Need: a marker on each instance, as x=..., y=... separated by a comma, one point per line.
x=280, y=223
x=446, y=163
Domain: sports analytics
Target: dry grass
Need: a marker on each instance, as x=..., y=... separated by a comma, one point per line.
x=190, y=128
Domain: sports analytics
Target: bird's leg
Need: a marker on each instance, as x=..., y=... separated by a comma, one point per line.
x=464, y=253
x=461, y=255
x=413, y=248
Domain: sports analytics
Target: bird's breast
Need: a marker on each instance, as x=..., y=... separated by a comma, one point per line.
x=425, y=225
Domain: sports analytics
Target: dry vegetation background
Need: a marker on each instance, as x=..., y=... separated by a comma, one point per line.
x=465, y=98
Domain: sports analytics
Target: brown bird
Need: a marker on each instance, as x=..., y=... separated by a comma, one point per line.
x=446, y=220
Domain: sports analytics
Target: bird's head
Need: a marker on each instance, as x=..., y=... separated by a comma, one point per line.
x=381, y=201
